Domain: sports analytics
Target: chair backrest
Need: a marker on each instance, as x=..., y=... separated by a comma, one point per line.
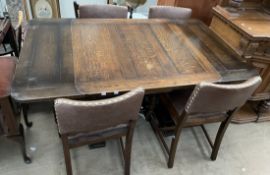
x=212, y=98
x=169, y=12
x=100, y=11
x=88, y=116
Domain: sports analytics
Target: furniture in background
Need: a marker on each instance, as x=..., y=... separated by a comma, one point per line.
x=169, y=12
x=42, y=9
x=12, y=8
x=26, y=10
x=201, y=9
x=13, y=38
x=266, y=6
x=207, y=103
x=45, y=8
x=8, y=44
x=4, y=28
x=100, y=11
x=88, y=122
x=245, y=30
x=10, y=125
x=132, y=5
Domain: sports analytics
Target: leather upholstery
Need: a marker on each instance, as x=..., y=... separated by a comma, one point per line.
x=169, y=12
x=90, y=116
x=7, y=67
x=102, y=11
x=211, y=98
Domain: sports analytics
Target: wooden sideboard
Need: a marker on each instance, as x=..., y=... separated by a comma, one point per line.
x=201, y=9
x=246, y=31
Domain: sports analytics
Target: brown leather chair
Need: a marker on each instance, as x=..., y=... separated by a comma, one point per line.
x=207, y=103
x=169, y=12
x=10, y=125
x=81, y=122
x=100, y=11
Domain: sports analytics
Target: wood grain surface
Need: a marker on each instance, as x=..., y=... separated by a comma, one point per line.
x=254, y=22
x=74, y=58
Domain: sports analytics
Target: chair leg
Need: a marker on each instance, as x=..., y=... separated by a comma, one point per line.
x=67, y=155
x=221, y=131
x=173, y=148
x=25, y=115
x=128, y=147
x=27, y=160
x=20, y=138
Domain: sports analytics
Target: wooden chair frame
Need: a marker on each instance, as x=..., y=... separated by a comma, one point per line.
x=93, y=139
x=14, y=129
x=182, y=123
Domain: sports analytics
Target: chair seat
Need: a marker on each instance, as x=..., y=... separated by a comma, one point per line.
x=93, y=136
x=177, y=101
x=7, y=67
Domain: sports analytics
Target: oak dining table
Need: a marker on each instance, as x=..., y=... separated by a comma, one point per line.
x=74, y=58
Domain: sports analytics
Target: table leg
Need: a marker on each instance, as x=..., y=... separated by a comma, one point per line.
x=149, y=106
x=25, y=108
x=14, y=130
x=20, y=138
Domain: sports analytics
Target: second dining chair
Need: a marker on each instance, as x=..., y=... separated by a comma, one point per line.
x=169, y=12
x=207, y=103
x=100, y=11
x=90, y=122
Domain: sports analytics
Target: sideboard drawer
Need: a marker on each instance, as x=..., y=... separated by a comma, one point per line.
x=234, y=39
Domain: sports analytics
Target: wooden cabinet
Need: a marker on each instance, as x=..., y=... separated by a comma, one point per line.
x=247, y=34
x=263, y=66
x=167, y=2
x=246, y=31
x=201, y=9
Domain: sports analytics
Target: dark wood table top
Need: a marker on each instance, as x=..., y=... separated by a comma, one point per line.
x=74, y=58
